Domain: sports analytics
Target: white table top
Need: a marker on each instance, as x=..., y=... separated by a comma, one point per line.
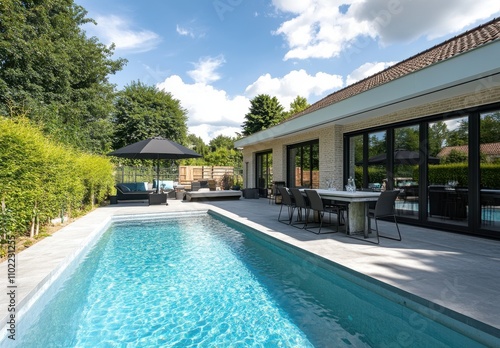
x=358, y=196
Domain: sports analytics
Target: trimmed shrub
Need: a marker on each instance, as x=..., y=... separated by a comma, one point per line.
x=41, y=179
x=443, y=173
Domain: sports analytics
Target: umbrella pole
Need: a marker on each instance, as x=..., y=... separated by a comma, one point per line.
x=158, y=179
x=158, y=175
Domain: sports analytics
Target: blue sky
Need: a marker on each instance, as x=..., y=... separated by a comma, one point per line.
x=216, y=55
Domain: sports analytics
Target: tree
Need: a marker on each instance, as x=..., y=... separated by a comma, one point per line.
x=224, y=157
x=197, y=144
x=52, y=72
x=144, y=112
x=222, y=141
x=438, y=132
x=456, y=156
x=490, y=128
x=377, y=143
x=297, y=105
x=460, y=135
x=264, y=112
x=406, y=138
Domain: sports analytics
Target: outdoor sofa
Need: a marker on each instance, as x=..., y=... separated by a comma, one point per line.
x=132, y=191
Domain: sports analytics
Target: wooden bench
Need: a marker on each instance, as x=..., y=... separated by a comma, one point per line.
x=212, y=195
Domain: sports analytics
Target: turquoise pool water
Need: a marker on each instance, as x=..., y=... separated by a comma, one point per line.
x=198, y=282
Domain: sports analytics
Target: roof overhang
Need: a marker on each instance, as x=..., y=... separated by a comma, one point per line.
x=465, y=73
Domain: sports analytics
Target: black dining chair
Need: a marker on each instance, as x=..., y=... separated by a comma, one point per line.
x=302, y=206
x=287, y=201
x=385, y=207
x=317, y=205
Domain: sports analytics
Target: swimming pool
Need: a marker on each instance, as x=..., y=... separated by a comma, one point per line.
x=197, y=281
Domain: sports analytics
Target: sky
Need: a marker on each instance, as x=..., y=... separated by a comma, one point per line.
x=214, y=56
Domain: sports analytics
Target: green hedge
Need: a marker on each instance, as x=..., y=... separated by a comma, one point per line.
x=41, y=179
x=441, y=174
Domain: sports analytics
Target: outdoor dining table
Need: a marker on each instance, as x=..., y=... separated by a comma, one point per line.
x=357, y=210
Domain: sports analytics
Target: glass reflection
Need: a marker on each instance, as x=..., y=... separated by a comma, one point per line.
x=490, y=170
x=448, y=179
x=377, y=160
x=406, y=168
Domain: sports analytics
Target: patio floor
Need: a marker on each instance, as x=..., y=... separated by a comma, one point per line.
x=461, y=273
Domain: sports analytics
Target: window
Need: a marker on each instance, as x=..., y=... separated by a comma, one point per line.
x=303, y=165
x=264, y=168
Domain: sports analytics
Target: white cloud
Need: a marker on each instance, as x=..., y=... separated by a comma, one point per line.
x=192, y=30
x=210, y=111
x=184, y=32
x=205, y=69
x=295, y=83
x=403, y=21
x=324, y=28
x=319, y=29
x=365, y=70
x=293, y=6
x=114, y=29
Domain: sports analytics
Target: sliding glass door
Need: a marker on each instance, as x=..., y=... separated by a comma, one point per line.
x=264, y=172
x=489, y=158
x=446, y=167
x=303, y=165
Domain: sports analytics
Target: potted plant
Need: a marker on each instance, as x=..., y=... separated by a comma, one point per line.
x=227, y=181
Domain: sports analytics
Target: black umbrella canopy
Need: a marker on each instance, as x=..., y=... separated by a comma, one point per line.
x=401, y=157
x=155, y=148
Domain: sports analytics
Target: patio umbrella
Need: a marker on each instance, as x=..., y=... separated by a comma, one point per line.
x=156, y=148
x=401, y=157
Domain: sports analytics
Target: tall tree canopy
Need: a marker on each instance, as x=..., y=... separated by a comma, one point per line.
x=50, y=71
x=222, y=141
x=265, y=111
x=490, y=128
x=144, y=111
x=297, y=105
x=197, y=144
x=459, y=135
x=438, y=131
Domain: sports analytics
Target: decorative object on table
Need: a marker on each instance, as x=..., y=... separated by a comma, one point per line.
x=329, y=185
x=351, y=185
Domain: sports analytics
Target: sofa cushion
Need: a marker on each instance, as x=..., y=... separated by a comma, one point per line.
x=141, y=186
x=123, y=188
x=164, y=184
x=136, y=186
